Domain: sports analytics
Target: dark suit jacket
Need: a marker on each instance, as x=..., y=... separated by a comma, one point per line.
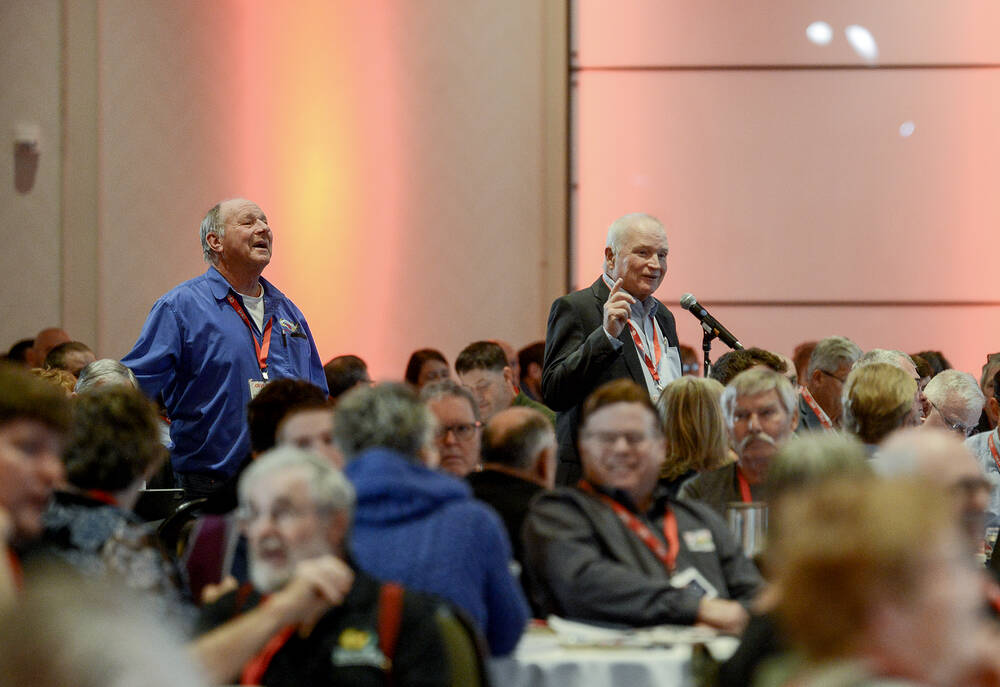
x=579, y=358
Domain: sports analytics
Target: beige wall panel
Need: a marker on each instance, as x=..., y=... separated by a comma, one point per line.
x=798, y=185
x=723, y=32
x=29, y=188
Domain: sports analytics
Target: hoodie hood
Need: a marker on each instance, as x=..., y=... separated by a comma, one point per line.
x=393, y=489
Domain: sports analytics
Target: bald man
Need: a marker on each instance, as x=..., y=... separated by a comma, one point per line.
x=212, y=343
x=45, y=341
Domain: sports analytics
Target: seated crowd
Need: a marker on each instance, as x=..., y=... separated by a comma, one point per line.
x=404, y=532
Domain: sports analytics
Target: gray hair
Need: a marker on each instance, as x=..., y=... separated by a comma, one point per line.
x=832, y=352
x=620, y=228
x=952, y=387
x=519, y=446
x=387, y=415
x=330, y=490
x=758, y=381
x=883, y=355
x=105, y=371
x=813, y=458
x=212, y=224
x=449, y=387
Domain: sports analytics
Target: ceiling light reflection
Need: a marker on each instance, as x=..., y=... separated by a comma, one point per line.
x=819, y=32
x=862, y=41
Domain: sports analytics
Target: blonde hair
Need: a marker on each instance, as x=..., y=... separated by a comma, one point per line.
x=61, y=379
x=877, y=398
x=849, y=544
x=693, y=425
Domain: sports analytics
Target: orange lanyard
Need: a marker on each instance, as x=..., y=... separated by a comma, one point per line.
x=260, y=349
x=744, y=486
x=824, y=419
x=652, y=365
x=253, y=671
x=667, y=554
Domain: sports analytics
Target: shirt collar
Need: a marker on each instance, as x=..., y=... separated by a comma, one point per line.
x=220, y=287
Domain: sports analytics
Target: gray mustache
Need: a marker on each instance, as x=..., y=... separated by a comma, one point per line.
x=763, y=436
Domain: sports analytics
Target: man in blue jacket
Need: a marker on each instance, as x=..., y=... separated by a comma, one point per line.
x=210, y=344
x=421, y=527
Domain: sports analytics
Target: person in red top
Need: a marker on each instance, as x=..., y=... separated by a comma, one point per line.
x=34, y=419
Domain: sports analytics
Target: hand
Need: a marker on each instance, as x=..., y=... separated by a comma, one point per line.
x=725, y=616
x=316, y=586
x=617, y=309
x=210, y=593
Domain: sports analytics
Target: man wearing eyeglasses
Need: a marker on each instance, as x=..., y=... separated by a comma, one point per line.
x=616, y=548
x=819, y=399
x=458, y=430
x=955, y=402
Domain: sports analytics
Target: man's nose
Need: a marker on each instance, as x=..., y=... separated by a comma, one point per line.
x=50, y=469
x=754, y=422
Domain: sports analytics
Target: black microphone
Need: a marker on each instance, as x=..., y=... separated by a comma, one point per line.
x=709, y=323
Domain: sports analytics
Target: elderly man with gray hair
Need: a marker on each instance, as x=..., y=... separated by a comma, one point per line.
x=210, y=344
x=985, y=446
x=323, y=621
x=420, y=526
x=761, y=412
x=819, y=399
x=955, y=402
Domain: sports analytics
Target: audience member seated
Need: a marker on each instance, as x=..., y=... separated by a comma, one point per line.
x=60, y=379
x=104, y=371
x=936, y=360
x=274, y=402
x=616, y=549
x=483, y=369
x=690, y=364
x=941, y=458
x=904, y=363
x=828, y=367
x=878, y=398
x=45, y=341
x=71, y=356
x=425, y=367
x=803, y=464
x=694, y=429
x=512, y=360
x=345, y=372
x=731, y=363
x=34, y=419
x=519, y=461
x=800, y=356
x=420, y=527
x=323, y=620
x=883, y=592
x=114, y=446
x=18, y=353
x=310, y=428
x=955, y=402
x=761, y=412
x=991, y=411
x=530, y=359
x=458, y=428
x=985, y=447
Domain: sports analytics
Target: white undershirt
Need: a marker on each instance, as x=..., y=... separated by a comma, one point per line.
x=255, y=306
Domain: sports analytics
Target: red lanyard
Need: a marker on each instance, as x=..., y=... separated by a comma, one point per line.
x=993, y=450
x=653, y=366
x=260, y=349
x=16, y=574
x=824, y=419
x=253, y=671
x=105, y=497
x=744, y=486
x=667, y=554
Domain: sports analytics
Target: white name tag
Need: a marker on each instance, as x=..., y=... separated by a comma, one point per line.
x=255, y=386
x=699, y=541
x=689, y=578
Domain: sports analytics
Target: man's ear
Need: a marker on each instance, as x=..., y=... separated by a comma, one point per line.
x=545, y=466
x=214, y=242
x=609, y=257
x=508, y=378
x=992, y=410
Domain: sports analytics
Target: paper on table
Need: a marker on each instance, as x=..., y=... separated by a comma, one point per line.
x=571, y=633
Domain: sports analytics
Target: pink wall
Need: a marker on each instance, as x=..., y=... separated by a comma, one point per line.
x=790, y=196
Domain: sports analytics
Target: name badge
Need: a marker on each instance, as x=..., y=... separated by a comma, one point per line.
x=694, y=581
x=699, y=541
x=255, y=386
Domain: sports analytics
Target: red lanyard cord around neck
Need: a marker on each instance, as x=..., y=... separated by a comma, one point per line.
x=261, y=349
x=993, y=450
x=652, y=365
x=666, y=553
x=824, y=419
x=745, y=494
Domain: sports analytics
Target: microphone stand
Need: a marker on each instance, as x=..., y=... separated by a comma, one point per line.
x=706, y=346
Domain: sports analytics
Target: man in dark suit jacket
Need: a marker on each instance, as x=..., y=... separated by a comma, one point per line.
x=613, y=329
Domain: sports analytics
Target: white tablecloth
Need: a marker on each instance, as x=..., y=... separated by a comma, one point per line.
x=539, y=661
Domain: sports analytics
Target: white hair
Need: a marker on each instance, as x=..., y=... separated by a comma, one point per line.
x=755, y=381
x=832, y=352
x=883, y=355
x=103, y=372
x=329, y=488
x=619, y=230
x=957, y=389
x=212, y=224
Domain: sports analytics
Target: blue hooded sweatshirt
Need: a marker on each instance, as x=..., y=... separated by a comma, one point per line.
x=425, y=530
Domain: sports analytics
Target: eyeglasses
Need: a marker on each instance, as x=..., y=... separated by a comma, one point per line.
x=830, y=374
x=953, y=424
x=462, y=431
x=609, y=439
